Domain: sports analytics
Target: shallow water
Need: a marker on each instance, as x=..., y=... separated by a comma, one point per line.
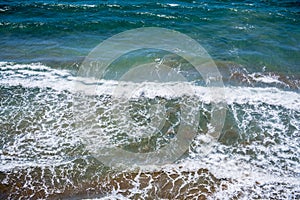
x=50, y=129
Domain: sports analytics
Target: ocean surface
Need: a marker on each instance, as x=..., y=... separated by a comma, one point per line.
x=50, y=130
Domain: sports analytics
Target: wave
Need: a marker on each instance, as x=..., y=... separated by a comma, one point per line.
x=38, y=75
x=43, y=148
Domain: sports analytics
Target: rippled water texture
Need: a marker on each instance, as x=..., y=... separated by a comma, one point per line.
x=47, y=122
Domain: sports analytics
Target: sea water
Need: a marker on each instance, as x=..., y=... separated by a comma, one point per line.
x=48, y=111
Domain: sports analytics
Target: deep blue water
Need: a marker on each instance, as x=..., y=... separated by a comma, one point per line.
x=252, y=33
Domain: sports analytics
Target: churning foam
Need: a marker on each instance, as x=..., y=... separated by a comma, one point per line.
x=38, y=75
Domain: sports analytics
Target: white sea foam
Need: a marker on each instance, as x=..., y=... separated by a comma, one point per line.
x=270, y=161
x=265, y=78
x=37, y=75
x=173, y=4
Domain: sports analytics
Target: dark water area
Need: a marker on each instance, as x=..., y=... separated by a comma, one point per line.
x=254, y=34
x=53, y=119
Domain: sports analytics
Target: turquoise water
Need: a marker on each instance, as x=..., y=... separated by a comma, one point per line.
x=255, y=34
x=46, y=121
